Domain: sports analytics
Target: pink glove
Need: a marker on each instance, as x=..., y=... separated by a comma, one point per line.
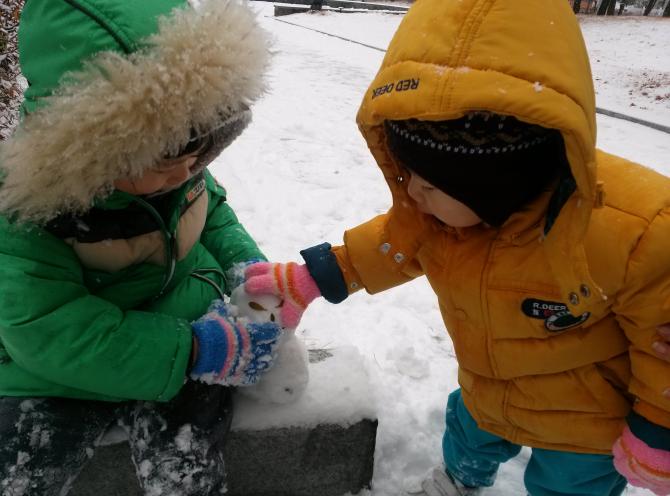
x=291, y=282
x=642, y=465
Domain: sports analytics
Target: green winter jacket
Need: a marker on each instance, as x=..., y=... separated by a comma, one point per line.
x=98, y=287
x=72, y=331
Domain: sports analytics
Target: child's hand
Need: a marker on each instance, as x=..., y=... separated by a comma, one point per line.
x=642, y=465
x=290, y=282
x=232, y=351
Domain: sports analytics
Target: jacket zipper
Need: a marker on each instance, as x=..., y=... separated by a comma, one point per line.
x=170, y=240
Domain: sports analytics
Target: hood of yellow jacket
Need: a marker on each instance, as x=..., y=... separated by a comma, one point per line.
x=520, y=58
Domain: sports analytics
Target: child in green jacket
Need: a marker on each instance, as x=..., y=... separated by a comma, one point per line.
x=114, y=238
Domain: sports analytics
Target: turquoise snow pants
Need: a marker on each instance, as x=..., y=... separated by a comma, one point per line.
x=473, y=456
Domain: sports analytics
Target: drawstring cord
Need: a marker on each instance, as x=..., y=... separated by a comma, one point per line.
x=199, y=274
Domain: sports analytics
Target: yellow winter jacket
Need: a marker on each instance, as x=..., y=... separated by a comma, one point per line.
x=552, y=315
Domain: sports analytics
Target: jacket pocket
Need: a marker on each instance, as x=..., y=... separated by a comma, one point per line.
x=582, y=390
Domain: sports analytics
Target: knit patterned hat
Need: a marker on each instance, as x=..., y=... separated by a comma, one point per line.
x=492, y=163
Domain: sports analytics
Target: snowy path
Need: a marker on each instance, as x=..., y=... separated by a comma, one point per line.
x=302, y=174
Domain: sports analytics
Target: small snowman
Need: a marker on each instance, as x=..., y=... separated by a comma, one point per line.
x=287, y=379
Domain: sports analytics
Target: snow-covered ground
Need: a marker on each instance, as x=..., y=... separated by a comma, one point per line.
x=302, y=174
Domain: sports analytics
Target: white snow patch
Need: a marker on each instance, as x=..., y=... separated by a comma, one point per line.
x=145, y=468
x=338, y=393
x=19, y=486
x=29, y=404
x=22, y=458
x=114, y=435
x=409, y=363
x=184, y=438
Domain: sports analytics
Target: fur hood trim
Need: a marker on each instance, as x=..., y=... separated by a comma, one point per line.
x=122, y=113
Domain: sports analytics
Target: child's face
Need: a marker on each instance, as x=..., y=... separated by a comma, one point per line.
x=433, y=201
x=167, y=175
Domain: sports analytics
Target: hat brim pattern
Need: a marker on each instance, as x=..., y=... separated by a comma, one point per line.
x=221, y=137
x=122, y=113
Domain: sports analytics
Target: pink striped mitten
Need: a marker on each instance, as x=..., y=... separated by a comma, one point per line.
x=642, y=465
x=291, y=282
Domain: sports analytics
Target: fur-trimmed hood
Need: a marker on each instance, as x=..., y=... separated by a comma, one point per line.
x=122, y=112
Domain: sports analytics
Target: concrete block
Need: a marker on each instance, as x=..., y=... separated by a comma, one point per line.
x=326, y=460
x=282, y=10
x=287, y=7
x=321, y=445
x=351, y=4
x=109, y=473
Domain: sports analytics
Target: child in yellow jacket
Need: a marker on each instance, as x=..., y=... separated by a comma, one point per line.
x=548, y=257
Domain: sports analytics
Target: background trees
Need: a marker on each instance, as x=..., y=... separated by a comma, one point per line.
x=10, y=86
x=612, y=7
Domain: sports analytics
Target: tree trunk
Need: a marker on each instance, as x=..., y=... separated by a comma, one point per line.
x=666, y=11
x=611, y=7
x=604, y=7
x=649, y=6
x=576, y=6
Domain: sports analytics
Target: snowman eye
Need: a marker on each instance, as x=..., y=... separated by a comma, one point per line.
x=257, y=306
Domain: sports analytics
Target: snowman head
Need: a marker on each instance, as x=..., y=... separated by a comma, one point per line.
x=257, y=308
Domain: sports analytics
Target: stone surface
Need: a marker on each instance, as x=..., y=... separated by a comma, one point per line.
x=349, y=4
x=285, y=6
x=323, y=444
x=109, y=473
x=282, y=10
x=326, y=460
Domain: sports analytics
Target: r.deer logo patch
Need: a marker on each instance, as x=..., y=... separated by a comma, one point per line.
x=195, y=191
x=556, y=315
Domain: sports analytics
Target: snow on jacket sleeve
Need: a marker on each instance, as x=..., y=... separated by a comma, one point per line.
x=641, y=306
x=52, y=328
x=376, y=256
x=223, y=236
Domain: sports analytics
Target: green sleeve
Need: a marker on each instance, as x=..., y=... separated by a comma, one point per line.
x=52, y=328
x=224, y=237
